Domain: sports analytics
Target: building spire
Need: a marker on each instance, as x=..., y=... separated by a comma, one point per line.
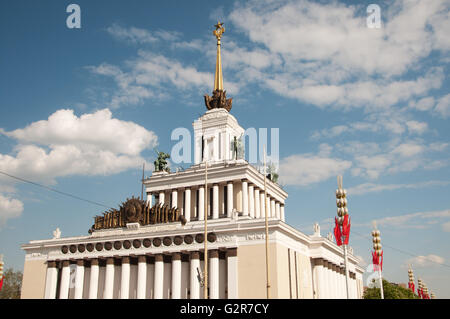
x=219, y=97
x=218, y=78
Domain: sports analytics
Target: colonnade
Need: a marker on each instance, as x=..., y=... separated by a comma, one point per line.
x=222, y=201
x=329, y=281
x=183, y=276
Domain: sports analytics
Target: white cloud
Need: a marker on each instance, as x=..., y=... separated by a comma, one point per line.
x=150, y=75
x=307, y=169
x=446, y=227
x=141, y=36
x=413, y=220
x=443, y=106
x=423, y=104
x=417, y=127
x=65, y=144
x=375, y=188
x=9, y=208
x=426, y=261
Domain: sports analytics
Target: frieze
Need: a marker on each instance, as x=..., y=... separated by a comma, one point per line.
x=225, y=238
x=255, y=236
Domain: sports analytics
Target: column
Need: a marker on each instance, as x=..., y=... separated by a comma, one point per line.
x=195, y=284
x=176, y=276
x=251, y=200
x=330, y=281
x=79, y=279
x=229, y=198
x=187, y=205
x=93, y=280
x=272, y=208
x=159, y=277
x=161, y=197
x=65, y=280
x=109, y=279
x=244, y=197
x=319, y=278
x=149, y=199
x=201, y=203
x=257, y=203
x=125, y=278
x=51, y=281
x=268, y=212
x=174, y=197
x=215, y=212
x=232, y=273
x=282, y=212
x=262, y=204
x=277, y=210
x=335, y=282
x=213, y=274
x=142, y=277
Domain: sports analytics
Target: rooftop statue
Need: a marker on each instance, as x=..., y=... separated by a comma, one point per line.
x=161, y=163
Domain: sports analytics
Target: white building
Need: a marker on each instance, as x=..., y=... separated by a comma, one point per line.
x=143, y=251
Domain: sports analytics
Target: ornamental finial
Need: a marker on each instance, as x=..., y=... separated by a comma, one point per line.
x=219, y=98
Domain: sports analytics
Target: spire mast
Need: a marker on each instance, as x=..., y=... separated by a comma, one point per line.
x=218, y=78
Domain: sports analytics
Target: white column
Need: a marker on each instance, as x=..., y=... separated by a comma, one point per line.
x=257, y=203
x=51, y=280
x=229, y=198
x=329, y=282
x=251, y=200
x=215, y=212
x=272, y=208
x=277, y=210
x=214, y=274
x=174, y=197
x=142, y=277
x=150, y=199
x=262, y=204
x=161, y=197
x=65, y=280
x=282, y=212
x=176, y=276
x=342, y=285
x=320, y=278
x=109, y=279
x=93, y=279
x=268, y=212
x=79, y=280
x=195, y=284
x=201, y=203
x=159, y=277
x=336, y=281
x=125, y=278
x=232, y=273
x=244, y=197
x=187, y=204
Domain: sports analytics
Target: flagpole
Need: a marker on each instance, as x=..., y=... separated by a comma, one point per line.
x=267, y=228
x=142, y=183
x=205, y=272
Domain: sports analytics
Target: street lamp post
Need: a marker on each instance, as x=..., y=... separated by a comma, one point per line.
x=342, y=227
x=377, y=257
x=411, y=280
x=1, y=272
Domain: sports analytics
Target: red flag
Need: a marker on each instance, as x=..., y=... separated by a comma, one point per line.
x=337, y=233
x=1, y=283
x=411, y=286
x=346, y=229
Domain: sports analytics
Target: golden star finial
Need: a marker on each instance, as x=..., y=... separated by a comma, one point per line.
x=219, y=30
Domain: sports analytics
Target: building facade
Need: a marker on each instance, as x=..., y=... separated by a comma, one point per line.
x=154, y=249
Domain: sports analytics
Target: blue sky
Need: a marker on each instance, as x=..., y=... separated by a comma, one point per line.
x=82, y=109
